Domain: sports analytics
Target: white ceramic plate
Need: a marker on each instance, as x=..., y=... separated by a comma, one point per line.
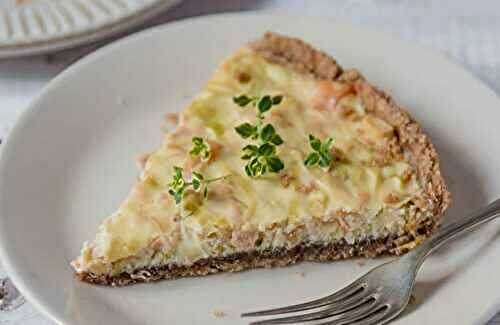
x=70, y=160
x=30, y=27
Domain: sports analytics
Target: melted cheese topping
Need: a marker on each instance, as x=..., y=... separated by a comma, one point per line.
x=366, y=193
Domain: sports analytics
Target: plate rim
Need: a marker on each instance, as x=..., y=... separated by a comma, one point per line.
x=87, y=36
x=7, y=258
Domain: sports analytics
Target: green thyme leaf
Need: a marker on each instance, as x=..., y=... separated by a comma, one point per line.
x=256, y=167
x=249, y=171
x=325, y=147
x=314, y=142
x=246, y=130
x=196, y=184
x=276, y=139
x=251, y=148
x=311, y=159
x=249, y=151
x=277, y=99
x=325, y=161
x=275, y=164
x=198, y=176
x=265, y=104
x=266, y=149
x=242, y=100
x=178, y=172
x=325, y=151
x=177, y=196
x=267, y=133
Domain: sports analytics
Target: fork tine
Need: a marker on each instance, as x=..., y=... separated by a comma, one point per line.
x=355, y=315
x=379, y=316
x=335, y=309
x=354, y=288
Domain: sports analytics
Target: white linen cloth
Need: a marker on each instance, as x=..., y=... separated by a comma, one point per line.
x=465, y=31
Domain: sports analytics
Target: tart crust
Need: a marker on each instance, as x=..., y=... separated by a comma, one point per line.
x=395, y=245
x=303, y=58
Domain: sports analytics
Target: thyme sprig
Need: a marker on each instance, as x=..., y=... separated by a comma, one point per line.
x=321, y=154
x=262, y=158
x=179, y=185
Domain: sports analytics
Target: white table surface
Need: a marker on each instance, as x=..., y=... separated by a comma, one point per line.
x=468, y=32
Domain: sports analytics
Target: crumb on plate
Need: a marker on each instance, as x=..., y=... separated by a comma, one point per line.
x=413, y=299
x=217, y=313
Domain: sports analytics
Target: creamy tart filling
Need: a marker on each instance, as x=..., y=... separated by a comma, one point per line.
x=370, y=190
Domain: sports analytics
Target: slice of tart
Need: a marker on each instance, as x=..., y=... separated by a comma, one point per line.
x=283, y=157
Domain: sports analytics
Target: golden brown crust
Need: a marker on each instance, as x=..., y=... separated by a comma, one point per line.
x=396, y=245
x=297, y=55
x=303, y=58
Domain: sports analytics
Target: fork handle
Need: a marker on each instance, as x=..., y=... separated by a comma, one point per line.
x=485, y=214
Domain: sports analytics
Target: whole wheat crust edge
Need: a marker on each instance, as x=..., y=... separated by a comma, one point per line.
x=265, y=259
x=303, y=58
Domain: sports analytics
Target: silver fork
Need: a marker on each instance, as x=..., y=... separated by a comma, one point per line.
x=381, y=294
